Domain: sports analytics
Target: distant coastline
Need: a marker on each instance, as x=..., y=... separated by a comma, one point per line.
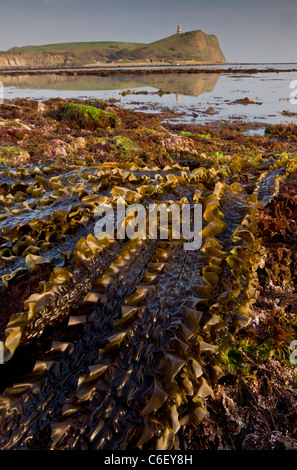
x=158, y=68
x=191, y=46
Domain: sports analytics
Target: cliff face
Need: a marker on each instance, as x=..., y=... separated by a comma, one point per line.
x=32, y=60
x=194, y=45
x=191, y=46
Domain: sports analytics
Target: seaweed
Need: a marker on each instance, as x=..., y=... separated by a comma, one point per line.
x=140, y=343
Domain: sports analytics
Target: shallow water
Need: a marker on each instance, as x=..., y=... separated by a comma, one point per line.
x=198, y=98
x=124, y=331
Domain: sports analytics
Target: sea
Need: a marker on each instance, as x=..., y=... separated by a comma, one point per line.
x=230, y=94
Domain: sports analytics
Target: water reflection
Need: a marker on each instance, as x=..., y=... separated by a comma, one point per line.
x=180, y=84
x=193, y=97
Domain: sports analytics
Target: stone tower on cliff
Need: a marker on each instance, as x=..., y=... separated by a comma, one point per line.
x=179, y=29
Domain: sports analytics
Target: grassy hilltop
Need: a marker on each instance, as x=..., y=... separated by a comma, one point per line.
x=190, y=46
x=105, y=48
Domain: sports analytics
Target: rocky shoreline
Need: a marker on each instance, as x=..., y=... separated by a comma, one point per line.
x=66, y=301
x=116, y=69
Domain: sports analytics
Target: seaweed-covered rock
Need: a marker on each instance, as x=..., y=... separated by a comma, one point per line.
x=89, y=117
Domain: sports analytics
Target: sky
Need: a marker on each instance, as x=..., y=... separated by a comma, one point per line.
x=248, y=31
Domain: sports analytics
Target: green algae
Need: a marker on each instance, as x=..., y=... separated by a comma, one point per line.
x=185, y=134
x=9, y=150
x=204, y=136
x=10, y=154
x=124, y=143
